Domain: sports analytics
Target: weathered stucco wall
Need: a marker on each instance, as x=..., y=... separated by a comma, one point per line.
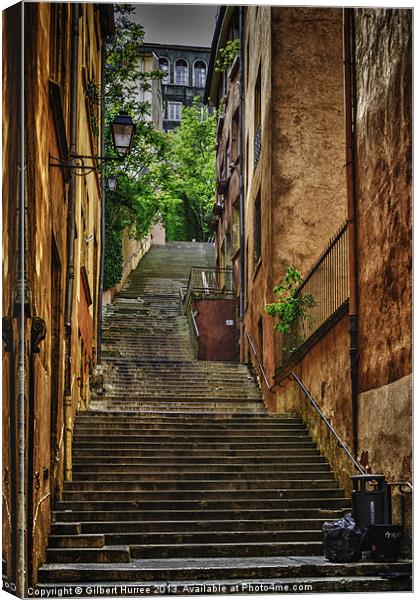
x=300, y=175
x=308, y=146
x=386, y=435
x=384, y=194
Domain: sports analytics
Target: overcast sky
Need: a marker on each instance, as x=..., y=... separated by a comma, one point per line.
x=177, y=23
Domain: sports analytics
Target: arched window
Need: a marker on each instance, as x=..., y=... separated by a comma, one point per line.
x=199, y=73
x=181, y=72
x=164, y=66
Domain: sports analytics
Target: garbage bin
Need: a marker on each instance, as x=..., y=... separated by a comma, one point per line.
x=386, y=541
x=371, y=506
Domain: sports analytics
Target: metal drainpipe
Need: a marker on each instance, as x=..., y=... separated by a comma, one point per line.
x=350, y=113
x=70, y=243
x=102, y=212
x=241, y=182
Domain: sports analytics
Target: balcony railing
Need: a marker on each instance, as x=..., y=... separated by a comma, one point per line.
x=328, y=284
x=208, y=282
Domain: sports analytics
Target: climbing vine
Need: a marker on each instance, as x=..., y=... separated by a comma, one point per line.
x=290, y=306
x=113, y=259
x=227, y=55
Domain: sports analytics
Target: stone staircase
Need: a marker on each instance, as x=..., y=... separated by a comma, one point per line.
x=181, y=478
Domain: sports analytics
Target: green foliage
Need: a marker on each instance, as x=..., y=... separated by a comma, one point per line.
x=185, y=179
x=227, y=55
x=290, y=307
x=113, y=261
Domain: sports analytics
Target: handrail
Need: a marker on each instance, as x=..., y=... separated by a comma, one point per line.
x=314, y=404
x=181, y=298
x=195, y=324
x=258, y=362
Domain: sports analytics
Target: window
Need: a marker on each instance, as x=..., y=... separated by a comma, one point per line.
x=257, y=246
x=235, y=136
x=199, y=73
x=181, y=72
x=173, y=111
x=164, y=66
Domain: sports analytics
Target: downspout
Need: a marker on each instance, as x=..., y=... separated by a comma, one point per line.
x=68, y=417
x=350, y=125
x=102, y=212
x=241, y=182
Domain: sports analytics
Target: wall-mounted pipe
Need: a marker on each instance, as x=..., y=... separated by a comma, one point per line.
x=103, y=208
x=241, y=181
x=350, y=128
x=71, y=229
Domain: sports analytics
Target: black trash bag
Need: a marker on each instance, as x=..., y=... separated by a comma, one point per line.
x=342, y=540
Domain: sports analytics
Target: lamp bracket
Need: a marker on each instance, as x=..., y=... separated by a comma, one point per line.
x=77, y=164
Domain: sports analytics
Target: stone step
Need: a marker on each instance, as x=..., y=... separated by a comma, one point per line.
x=215, y=568
x=86, y=540
x=208, y=526
x=195, y=439
x=106, y=554
x=227, y=550
x=201, y=484
x=213, y=504
x=204, y=430
x=208, y=475
x=162, y=494
x=264, y=419
x=196, y=515
x=65, y=529
x=212, y=537
x=102, y=461
x=233, y=586
x=188, y=446
x=199, y=454
x=203, y=409
x=141, y=468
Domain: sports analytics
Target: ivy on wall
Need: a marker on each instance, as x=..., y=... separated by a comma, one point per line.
x=113, y=259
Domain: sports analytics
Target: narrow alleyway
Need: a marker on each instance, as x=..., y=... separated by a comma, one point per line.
x=179, y=473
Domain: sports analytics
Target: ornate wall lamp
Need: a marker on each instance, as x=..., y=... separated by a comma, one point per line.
x=112, y=183
x=122, y=130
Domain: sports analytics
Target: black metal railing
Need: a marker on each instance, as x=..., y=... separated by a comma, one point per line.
x=328, y=284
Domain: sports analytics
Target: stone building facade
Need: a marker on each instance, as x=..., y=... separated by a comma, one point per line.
x=51, y=293
x=322, y=182
x=186, y=68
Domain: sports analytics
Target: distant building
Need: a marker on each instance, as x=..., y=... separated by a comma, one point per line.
x=149, y=61
x=186, y=68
